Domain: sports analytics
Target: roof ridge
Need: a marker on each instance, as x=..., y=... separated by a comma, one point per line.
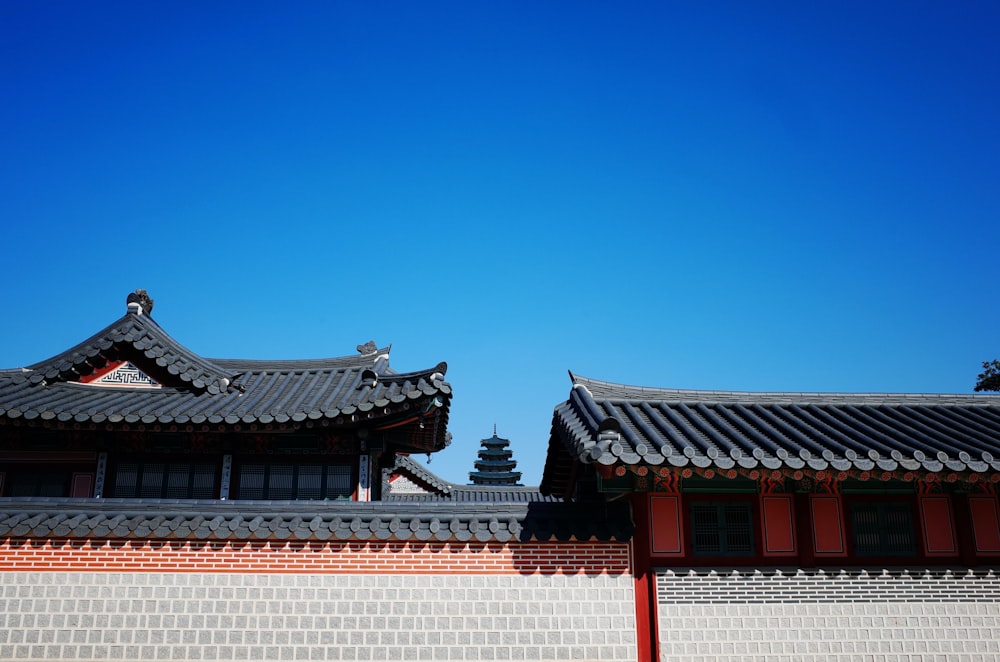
x=841, y=396
x=333, y=362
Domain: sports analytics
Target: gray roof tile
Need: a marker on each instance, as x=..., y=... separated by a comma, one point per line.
x=223, y=392
x=613, y=424
x=304, y=520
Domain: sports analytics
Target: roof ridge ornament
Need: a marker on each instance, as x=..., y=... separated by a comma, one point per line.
x=369, y=378
x=139, y=302
x=120, y=373
x=439, y=371
x=368, y=348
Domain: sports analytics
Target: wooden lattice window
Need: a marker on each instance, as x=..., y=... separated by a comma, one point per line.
x=48, y=482
x=166, y=480
x=292, y=480
x=720, y=528
x=883, y=528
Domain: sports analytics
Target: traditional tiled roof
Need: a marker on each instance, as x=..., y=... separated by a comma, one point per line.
x=417, y=474
x=138, y=337
x=310, y=521
x=344, y=391
x=610, y=425
x=477, y=494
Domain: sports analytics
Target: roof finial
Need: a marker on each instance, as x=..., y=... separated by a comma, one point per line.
x=494, y=429
x=139, y=302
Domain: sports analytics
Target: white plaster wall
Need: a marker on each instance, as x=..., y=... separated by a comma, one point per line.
x=225, y=616
x=812, y=615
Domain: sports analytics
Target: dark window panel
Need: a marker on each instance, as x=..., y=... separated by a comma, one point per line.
x=165, y=480
x=719, y=528
x=883, y=528
x=287, y=480
x=38, y=483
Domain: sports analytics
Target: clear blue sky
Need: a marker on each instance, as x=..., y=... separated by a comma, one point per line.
x=750, y=196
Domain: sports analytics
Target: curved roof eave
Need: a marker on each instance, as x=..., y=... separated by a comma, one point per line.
x=218, y=391
x=605, y=423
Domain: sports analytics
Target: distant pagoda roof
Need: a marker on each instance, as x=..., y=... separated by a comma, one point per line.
x=495, y=465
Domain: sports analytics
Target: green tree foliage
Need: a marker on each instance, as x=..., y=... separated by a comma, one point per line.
x=989, y=378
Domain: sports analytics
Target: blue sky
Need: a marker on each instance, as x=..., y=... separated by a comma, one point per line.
x=738, y=196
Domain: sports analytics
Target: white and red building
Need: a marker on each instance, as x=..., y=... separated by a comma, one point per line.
x=792, y=525
x=157, y=505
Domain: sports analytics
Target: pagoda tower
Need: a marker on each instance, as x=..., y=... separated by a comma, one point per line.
x=495, y=465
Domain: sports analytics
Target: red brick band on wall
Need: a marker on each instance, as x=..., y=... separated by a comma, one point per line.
x=407, y=558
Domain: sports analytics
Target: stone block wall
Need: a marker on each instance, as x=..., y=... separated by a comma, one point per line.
x=813, y=615
x=278, y=600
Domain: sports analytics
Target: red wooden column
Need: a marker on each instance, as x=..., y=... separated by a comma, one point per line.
x=963, y=530
x=804, y=531
x=647, y=631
